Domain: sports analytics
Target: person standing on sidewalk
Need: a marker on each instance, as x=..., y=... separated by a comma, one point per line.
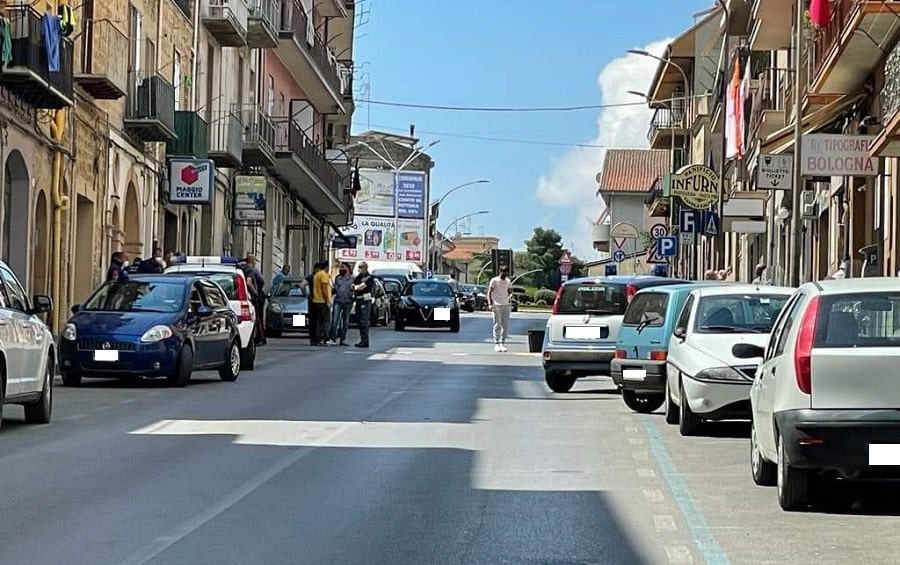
x=343, y=303
x=321, y=300
x=499, y=291
x=362, y=291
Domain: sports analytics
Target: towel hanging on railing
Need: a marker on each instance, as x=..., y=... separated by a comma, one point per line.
x=52, y=35
x=66, y=19
x=5, y=41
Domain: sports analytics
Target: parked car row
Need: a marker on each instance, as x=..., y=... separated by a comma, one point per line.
x=814, y=369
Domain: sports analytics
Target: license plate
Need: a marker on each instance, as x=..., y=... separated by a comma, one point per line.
x=884, y=454
x=634, y=374
x=442, y=314
x=583, y=332
x=106, y=355
x=299, y=320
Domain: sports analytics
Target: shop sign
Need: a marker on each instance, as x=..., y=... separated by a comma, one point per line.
x=836, y=155
x=191, y=181
x=696, y=185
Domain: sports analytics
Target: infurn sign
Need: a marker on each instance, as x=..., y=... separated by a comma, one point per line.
x=836, y=155
x=696, y=185
x=191, y=181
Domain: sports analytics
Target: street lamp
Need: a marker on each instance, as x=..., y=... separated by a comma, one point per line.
x=455, y=188
x=459, y=219
x=434, y=211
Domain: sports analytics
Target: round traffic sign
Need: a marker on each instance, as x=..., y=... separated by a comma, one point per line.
x=619, y=256
x=565, y=268
x=658, y=231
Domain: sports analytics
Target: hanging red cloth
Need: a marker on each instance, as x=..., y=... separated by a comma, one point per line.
x=820, y=12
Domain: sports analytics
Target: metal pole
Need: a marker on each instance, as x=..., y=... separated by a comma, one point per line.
x=796, y=235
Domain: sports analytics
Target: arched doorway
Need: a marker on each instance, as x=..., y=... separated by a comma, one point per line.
x=132, y=222
x=40, y=251
x=15, y=223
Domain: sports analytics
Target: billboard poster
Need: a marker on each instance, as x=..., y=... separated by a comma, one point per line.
x=376, y=193
x=410, y=240
x=410, y=191
x=191, y=181
x=376, y=239
x=250, y=198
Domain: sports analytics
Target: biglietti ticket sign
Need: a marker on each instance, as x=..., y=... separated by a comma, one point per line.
x=836, y=155
x=191, y=181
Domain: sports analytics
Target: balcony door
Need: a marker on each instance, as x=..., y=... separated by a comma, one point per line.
x=177, y=79
x=136, y=33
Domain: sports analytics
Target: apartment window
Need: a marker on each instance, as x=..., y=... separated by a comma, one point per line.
x=176, y=78
x=270, y=96
x=210, y=82
x=136, y=32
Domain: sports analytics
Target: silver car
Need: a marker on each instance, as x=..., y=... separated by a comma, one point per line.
x=288, y=309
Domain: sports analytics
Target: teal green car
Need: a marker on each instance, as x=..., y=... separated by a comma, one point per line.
x=639, y=366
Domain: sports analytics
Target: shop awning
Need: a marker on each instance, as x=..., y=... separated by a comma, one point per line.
x=783, y=139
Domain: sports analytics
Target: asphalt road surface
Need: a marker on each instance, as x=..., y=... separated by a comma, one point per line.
x=428, y=448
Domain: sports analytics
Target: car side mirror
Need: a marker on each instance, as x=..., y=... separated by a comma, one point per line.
x=75, y=308
x=41, y=303
x=204, y=311
x=680, y=333
x=747, y=351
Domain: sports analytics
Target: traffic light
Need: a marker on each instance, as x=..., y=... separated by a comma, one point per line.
x=499, y=258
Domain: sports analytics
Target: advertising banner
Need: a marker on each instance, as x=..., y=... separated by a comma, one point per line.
x=410, y=191
x=191, y=181
x=376, y=193
x=376, y=239
x=411, y=240
x=250, y=198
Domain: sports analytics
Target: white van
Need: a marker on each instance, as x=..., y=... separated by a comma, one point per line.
x=392, y=269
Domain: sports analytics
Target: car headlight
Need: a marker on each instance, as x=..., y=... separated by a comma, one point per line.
x=156, y=333
x=724, y=374
x=70, y=332
x=275, y=307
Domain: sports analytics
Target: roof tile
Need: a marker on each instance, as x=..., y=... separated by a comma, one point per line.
x=632, y=170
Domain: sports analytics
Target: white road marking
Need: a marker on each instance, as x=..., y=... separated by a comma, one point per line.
x=654, y=495
x=679, y=554
x=664, y=523
x=642, y=456
x=73, y=417
x=631, y=429
x=646, y=473
x=128, y=401
x=636, y=441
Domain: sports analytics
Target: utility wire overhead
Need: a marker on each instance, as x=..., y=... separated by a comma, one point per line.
x=501, y=109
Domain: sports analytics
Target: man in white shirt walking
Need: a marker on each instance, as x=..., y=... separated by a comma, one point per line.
x=498, y=295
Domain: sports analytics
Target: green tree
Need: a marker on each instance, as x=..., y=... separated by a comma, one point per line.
x=544, y=250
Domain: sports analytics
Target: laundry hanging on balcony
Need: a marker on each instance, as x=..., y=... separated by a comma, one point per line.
x=5, y=41
x=820, y=12
x=66, y=19
x=51, y=34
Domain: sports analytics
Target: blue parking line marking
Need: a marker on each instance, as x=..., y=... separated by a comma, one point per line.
x=703, y=539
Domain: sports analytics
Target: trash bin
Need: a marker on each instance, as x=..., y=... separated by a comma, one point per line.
x=535, y=340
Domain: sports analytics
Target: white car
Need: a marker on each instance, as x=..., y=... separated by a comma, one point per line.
x=826, y=400
x=224, y=271
x=28, y=350
x=704, y=381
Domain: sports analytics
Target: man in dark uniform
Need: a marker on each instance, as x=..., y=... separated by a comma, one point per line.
x=362, y=292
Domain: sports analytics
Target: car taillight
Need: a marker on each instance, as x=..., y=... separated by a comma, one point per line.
x=630, y=291
x=240, y=286
x=657, y=355
x=556, y=300
x=621, y=354
x=803, y=350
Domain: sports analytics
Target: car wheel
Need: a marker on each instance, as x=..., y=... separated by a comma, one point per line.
x=642, y=403
x=558, y=381
x=763, y=471
x=71, y=378
x=232, y=368
x=454, y=324
x=792, y=483
x=689, y=424
x=183, y=368
x=671, y=409
x=248, y=356
x=399, y=325
x=273, y=333
x=40, y=411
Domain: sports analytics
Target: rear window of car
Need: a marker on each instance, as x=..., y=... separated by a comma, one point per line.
x=859, y=320
x=226, y=281
x=593, y=298
x=647, y=309
x=738, y=313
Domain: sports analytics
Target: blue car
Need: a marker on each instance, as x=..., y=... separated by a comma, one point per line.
x=152, y=326
x=639, y=365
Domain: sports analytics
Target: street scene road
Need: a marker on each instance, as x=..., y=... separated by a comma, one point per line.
x=427, y=448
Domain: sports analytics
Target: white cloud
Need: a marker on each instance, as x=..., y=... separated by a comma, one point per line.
x=572, y=183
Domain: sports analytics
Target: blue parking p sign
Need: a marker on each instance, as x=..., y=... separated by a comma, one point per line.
x=667, y=246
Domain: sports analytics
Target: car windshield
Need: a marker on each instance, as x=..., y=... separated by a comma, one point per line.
x=593, y=298
x=738, y=313
x=435, y=288
x=137, y=296
x=294, y=288
x=647, y=310
x=859, y=320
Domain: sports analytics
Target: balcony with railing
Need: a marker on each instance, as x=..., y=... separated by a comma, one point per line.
x=310, y=175
x=308, y=60
x=768, y=107
x=226, y=21
x=887, y=142
x=150, y=107
x=852, y=45
x=29, y=73
x=226, y=140
x=263, y=23
x=667, y=125
x=192, y=136
x=100, y=68
x=771, y=25
x=258, y=136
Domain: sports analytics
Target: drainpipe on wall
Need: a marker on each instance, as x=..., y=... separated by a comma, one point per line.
x=195, y=47
x=60, y=204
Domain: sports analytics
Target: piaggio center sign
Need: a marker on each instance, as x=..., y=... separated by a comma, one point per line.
x=696, y=185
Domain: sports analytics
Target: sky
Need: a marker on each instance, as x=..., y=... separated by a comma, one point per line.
x=514, y=54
